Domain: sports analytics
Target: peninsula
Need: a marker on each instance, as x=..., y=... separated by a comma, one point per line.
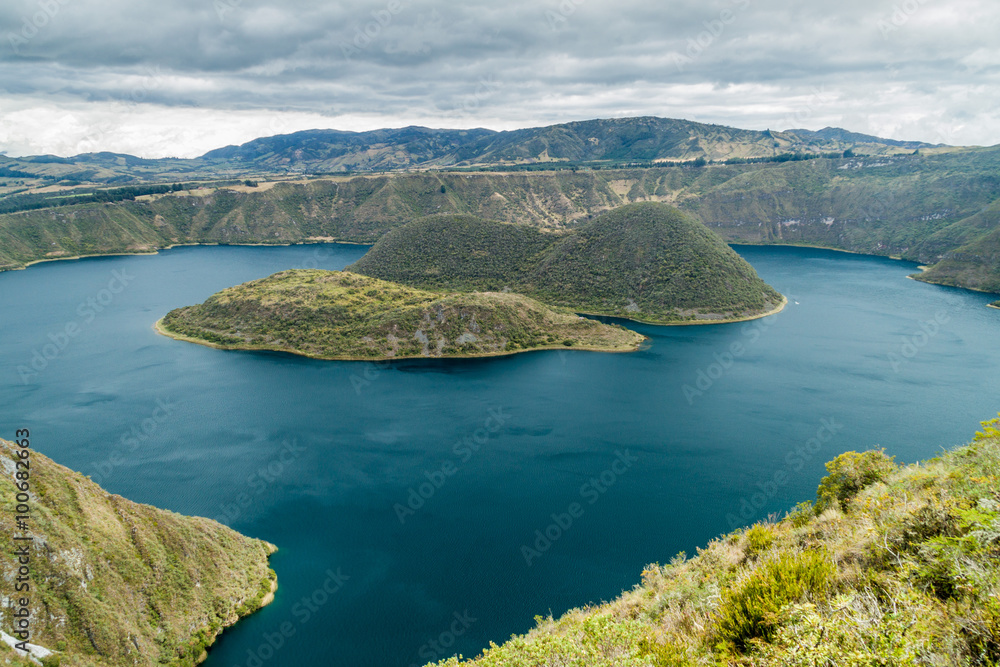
x=115, y=583
x=341, y=315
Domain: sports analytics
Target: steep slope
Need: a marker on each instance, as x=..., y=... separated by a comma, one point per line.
x=645, y=261
x=890, y=567
x=650, y=261
x=969, y=252
x=118, y=583
x=338, y=315
x=975, y=265
x=913, y=206
x=456, y=252
x=963, y=232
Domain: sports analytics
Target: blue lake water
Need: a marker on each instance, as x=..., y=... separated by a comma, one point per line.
x=420, y=485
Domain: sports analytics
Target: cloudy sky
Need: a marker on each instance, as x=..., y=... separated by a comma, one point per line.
x=181, y=77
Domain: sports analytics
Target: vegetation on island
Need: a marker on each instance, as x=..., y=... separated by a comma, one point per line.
x=890, y=566
x=341, y=315
x=115, y=583
x=645, y=261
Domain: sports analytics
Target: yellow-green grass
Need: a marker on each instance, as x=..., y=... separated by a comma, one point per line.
x=346, y=316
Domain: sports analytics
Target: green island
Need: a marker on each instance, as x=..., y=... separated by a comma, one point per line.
x=341, y=315
x=890, y=566
x=646, y=261
x=995, y=304
x=116, y=583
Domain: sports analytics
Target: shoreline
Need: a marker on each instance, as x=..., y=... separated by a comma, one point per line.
x=265, y=601
x=694, y=323
x=806, y=245
x=918, y=277
x=157, y=251
x=158, y=327
x=269, y=598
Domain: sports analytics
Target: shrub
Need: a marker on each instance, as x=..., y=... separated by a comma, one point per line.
x=749, y=610
x=801, y=514
x=759, y=539
x=984, y=632
x=991, y=429
x=849, y=473
x=667, y=654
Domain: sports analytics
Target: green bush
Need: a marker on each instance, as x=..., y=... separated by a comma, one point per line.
x=759, y=539
x=801, y=514
x=991, y=429
x=984, y=633
x=666, y=654
x=849, y=473
x=749, y=610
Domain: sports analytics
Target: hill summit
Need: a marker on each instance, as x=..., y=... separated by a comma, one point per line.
x=647, y=261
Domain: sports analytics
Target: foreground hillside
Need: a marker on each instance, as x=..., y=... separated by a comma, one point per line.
x=339, y=315
x=118, y=583
x=890, y=567
x=645, y=261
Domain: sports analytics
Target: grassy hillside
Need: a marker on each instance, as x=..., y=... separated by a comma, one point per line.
x=645, y=261
x=651, y=262
x=118, y=583
x=890, y=567
x=339, y=315
x=970, y=252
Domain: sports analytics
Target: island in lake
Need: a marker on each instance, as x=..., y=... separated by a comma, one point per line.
x=342, y=315
x=461, y=286
x=648, y=262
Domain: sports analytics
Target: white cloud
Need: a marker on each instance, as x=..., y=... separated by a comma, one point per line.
x=129, y=77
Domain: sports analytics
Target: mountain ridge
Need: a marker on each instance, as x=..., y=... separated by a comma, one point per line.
x=644, y=138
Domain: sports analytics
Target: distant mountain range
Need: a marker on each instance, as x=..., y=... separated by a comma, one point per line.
x=617, y=141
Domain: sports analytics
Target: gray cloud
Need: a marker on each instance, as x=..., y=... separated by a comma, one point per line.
x=913, y=69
